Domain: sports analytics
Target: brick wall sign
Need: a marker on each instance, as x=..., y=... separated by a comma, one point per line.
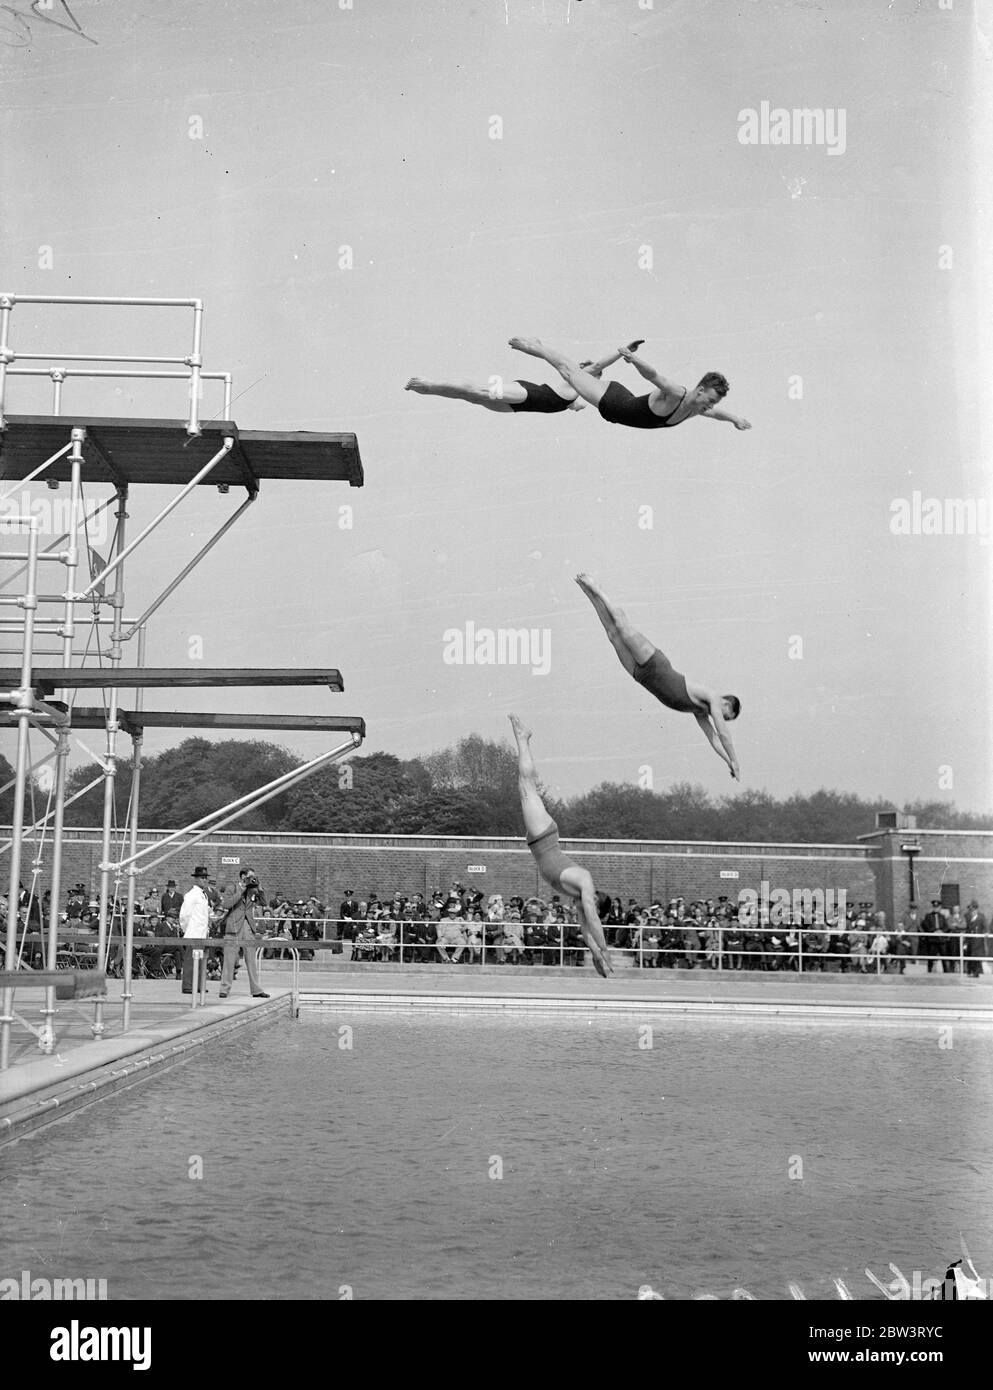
x=729, y=873
x=475, y=868
x=230, y=858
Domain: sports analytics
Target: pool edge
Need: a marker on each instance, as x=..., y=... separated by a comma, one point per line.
x=33, y=1096
x=823, y=1010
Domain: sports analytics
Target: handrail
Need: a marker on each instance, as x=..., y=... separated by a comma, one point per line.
x=58, y=374
x=193, y=359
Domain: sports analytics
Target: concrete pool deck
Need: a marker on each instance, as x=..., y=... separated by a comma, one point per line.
x=37, y=1089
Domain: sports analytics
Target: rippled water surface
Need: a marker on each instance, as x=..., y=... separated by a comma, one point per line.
x=446, y=1157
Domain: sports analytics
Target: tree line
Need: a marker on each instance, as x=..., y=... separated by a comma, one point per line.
x=469, y=788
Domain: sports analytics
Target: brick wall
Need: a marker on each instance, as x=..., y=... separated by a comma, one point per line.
x=948, y=859
x=327, y=864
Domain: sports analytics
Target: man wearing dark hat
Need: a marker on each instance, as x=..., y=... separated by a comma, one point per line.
x=975, y=942
x=76, y=902
x=930, y=943
x=172, y=901
x=194, y=923
x=347, y=913
x=241, y=934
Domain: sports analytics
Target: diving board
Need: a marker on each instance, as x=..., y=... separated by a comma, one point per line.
x=136, y=720
x=50, y=678
x=123, y=452
x=68, y=984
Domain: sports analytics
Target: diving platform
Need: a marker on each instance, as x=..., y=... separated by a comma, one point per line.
x=123, y=452
x=47, y=679
x=134, y=721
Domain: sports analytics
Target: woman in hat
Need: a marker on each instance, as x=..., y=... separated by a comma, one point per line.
x=512, y=943
x=543, y=841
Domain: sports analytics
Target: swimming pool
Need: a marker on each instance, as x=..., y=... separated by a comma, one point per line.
x=425, y=1156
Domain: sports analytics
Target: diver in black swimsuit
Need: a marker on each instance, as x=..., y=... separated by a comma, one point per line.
x=664, y=407
x=653, y=670
x=554, y=866
x=521, y=397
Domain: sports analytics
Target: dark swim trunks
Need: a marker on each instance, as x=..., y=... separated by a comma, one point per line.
x=541, y=399
x=622, y=407
x=549, y=858
x=659, y=676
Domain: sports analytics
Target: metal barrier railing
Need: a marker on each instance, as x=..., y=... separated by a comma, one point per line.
x=420, y=942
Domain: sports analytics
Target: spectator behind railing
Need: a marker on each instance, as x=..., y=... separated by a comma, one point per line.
x=456, y=926
x=512, y=946
x=978, y=942
x=450, y=934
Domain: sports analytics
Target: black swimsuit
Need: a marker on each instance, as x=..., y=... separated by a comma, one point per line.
x=549, y=857
x=659, y=676
x=622, y=407
x=542, y=399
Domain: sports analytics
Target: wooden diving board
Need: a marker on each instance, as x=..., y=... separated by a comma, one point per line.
x=123, y=452
x=46, y=679
x=69, y=984
x=135, y=720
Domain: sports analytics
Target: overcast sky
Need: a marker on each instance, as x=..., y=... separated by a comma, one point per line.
x=861, y=657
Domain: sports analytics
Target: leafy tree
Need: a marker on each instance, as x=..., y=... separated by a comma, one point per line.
x=446, y=811
x=185, y=783
x=468, y=788
x=752, y=815
x=362, y=796
x=827, y=817
x=488, y=769
x=474, y=762
x=615, y=811
x=940, y=815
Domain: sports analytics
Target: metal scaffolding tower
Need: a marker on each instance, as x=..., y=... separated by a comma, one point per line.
x=74, y=449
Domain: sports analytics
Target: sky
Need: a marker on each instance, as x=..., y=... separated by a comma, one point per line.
x=573, y=171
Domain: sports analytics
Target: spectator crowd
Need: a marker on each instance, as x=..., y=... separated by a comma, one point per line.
x=463, y=926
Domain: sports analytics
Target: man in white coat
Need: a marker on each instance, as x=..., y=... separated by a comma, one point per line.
x=194, y=923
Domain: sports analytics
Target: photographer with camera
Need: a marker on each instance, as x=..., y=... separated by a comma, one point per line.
x=240, y=932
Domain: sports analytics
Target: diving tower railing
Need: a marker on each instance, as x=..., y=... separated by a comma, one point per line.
x=192, y=360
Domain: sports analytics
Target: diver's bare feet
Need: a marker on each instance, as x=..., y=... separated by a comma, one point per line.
x=418, y=384
x=522, y=734
x=532, y=346
x=587, y=583
x=601, y=961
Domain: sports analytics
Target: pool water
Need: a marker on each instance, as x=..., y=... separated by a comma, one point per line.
x=427, y=1156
